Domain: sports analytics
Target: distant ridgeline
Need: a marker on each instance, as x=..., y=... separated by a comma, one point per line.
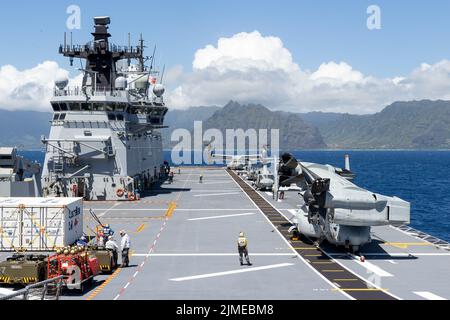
x=24, y=128
x=402, y=125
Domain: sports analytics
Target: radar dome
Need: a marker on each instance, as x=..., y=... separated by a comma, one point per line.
x=61, y=83
x=121, y=83
x=159, y=90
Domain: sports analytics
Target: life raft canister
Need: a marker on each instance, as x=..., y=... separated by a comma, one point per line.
x=120, y=192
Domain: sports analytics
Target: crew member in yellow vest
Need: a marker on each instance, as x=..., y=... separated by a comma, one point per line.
x=242, y=248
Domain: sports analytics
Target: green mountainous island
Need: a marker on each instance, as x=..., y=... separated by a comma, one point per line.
x=421, y=124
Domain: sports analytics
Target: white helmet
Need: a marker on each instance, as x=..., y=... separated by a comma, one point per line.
x=241, y=234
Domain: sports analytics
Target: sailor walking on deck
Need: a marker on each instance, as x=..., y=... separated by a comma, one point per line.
x=112, y=246
x=125, y=246
x=242, y=248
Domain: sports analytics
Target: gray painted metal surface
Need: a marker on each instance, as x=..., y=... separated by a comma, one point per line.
x=104, y=141
x=190, y=252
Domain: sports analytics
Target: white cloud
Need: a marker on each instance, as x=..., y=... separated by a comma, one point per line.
x=245, y=52
x=29, y=89
x=334, y=73
x=250, y=67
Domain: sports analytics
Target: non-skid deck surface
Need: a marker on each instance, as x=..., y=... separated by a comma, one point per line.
x=184, y=247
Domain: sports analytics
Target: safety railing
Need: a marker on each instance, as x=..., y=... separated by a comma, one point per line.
x=42, y=289
x=424, y=236
x=79, y=91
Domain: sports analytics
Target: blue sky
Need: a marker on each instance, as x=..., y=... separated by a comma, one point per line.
x=314, y=31
x=318, y=55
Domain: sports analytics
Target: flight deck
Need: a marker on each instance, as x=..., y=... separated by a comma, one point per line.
x=183, y=246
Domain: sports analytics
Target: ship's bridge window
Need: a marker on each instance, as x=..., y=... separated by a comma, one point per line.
x=120, y=107
x=59, y=116
x=99, y=107
x=86, y=107
x=74, y=106
x=111, y=117
x=154, y=120
x=56, y=106
x=63, y=106
x=120, y=117
x=109, y=107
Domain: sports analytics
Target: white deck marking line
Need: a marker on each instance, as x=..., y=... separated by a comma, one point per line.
x=224, y=216
x=141, y=266
x=211, y=254
x=107, y=210
x=371, y=267
x=329, y=256
x=225, y=273
x=336, y=261
x=197, y=181
x=165, y=209
x=290, y=246
x=361, y=277
x=216, y=194
x=216, y=182
x=393, y=255
x=209, y=190
x=428, y=295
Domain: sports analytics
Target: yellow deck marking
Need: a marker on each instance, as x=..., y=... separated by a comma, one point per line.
x=140, y=228
x=405, y=245
x=322, y=262
x=354, y=279
x=313, y=255
x=171, y=209
x=100, y=288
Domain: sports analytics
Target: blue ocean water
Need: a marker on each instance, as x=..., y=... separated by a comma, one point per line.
x=420, y=177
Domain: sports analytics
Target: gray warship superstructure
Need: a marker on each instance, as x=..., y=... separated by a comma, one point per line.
x=19, y=177
x=105, y=141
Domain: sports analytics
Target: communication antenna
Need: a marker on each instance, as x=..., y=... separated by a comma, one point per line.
x=151, y=68
x=162, y=74
x=129, y=47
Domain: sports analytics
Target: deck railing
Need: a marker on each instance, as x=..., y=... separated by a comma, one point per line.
x=37, y=291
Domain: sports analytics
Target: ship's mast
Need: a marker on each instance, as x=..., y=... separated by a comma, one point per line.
x=102, y=57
